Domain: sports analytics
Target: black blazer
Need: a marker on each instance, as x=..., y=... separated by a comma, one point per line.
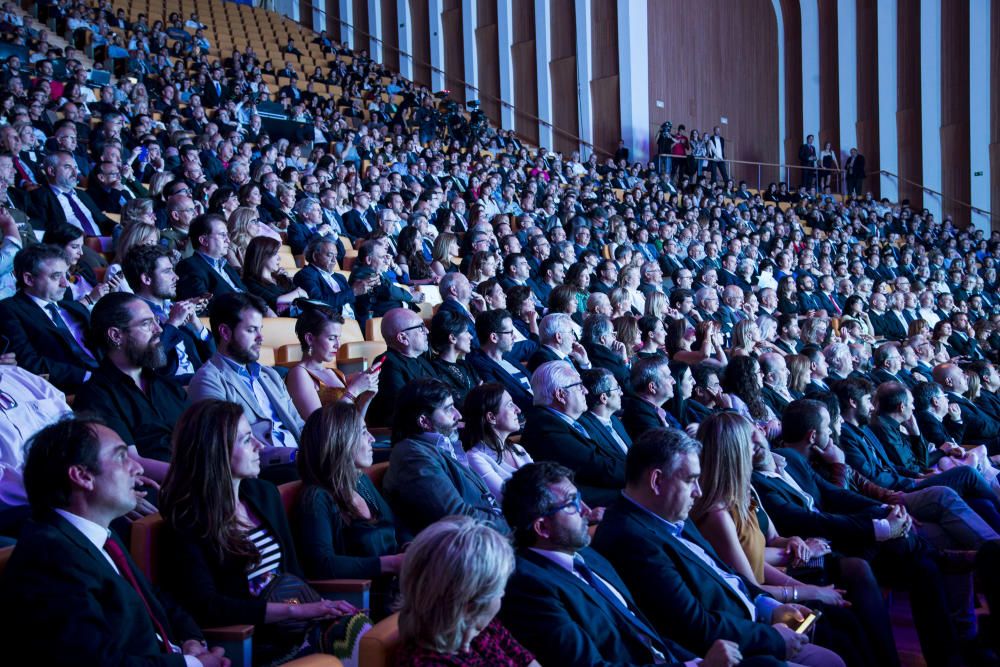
x=40, y=346
x=979, y=425
x=600, y=476
x=842, y=516
x=563, y=621
x=938, y=432
x=602, y=356
x=196, y=277
x=458, y=309
x=214, y=590
x=490, y=371
x=639, y=416
x=599, y=433
x=57, y=578
x=680, y=593
x=45, y=210
x=873, y=462
x=908, y=453
x=887, y=325
x=357, y=225
x=544, y=354
x=310, y=279
x=396, y=373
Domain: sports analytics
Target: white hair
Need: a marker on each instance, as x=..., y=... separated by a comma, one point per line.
x=549, y=378
x=552, y=324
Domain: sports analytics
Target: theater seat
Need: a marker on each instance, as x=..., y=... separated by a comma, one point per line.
x=380, y=644
x=373, y=329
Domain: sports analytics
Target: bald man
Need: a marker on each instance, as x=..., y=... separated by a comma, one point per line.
x=980, y=426
x=405, y=335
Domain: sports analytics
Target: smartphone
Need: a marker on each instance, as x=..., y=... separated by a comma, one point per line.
x=808, y=622
x=144, y=154
x=377, y=366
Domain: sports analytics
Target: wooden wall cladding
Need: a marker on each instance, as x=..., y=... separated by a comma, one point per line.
x=995, y=112
x=361, y=25
x=522, y=55
x=604, y=84
x=829, y=75
x=562, y=74
x=333, y=19
x=908, y=121
x=421, y=36
x=955, y=109
x=390, y=34
x=454, y=49
x=867, y=126
x=700, y=85
x=795, y=133
x=487, y=45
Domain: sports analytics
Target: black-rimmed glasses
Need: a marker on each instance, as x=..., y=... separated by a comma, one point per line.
x=575, y=503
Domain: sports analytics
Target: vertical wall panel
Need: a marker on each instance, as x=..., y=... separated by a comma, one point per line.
x=604, y=86
x=908, y=122
x=795, y=134
x=522, y=54
x=867, y=125
x=487, y=44
x=979, y=111
x=421, y=33
x=361, y=40
x=562, y=73
x=698, y=88
x=390, y=34
x=454, y=64
x=955, y=108
x=829, y=74
x=995, y=112
x=930, y=105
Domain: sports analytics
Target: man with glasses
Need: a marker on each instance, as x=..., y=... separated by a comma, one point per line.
x=180, y=211
x=307, y=223
x=58, y=201
x=493, y=360
x=559, y=340
x=107, y=189
x=207, y=270
x=553, y=433
x=405, y=335
x=604, y=399
x=126, y=391
x=652, y=386
x=564, y=601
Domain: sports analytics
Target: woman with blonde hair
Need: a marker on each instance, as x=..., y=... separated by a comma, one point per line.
x=621, y=303
x=730, y=517
x=159, y=181
x=445, y=247
x=657, y=305
x=244, y=226
x=452, y=583
x=136, y=235
x=799, y=374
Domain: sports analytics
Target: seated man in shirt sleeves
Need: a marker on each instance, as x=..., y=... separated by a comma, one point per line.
x=71, y=593
x=233, y=374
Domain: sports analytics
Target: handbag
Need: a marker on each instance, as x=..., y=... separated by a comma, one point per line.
x=288, y=589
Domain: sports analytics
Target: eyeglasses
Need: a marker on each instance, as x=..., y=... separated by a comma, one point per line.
x=145, y=325
x=415, y=326
x=575, y=384
x=574, y=503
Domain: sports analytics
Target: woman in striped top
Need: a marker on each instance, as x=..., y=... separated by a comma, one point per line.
x=227, y=539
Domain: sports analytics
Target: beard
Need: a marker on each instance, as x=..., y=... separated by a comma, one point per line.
x=242, y=355
x=152, y=356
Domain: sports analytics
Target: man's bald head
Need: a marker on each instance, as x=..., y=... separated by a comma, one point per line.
x=951, y=377
x=404, y=331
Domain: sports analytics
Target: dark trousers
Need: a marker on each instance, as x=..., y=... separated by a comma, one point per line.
x=718, y=166
x=974, y=489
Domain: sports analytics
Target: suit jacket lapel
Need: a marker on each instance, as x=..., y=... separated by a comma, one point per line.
x=239, y=383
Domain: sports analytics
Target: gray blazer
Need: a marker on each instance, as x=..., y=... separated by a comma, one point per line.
x=217, y=379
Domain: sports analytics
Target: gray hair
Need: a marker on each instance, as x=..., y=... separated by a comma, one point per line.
x=596, y=327
x=645, y=371
x=552, y=324
x=454, y=570
x=305, y=205
x=549, y=378
x=704, y=293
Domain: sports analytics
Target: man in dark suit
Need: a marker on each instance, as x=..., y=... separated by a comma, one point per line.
x=45, y=330
x=207, y=271
x=963, y=337
x=308, y=223
x=604, y=350
x=886, y=324
x=360, y=221
x=775, y=391
x=320, y=281
x=107, y=190
x=679, y=581
x=458, y=297
x=406, y=337
x=652, y=386
x=604, y=399
x=801, y=501
x=565, y=602
x=70, y=571
x=187, y=342
x=558, y=340
x=216, y=90
x=887, y=361
x=808, y=160
x=980, y=427
x=939, y=419
x=58, y=201
x=493, y=360
x=425, y=481
x=553, y=433
x=854, y=168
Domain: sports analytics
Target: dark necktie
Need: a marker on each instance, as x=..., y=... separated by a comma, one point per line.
x=646, y=633
x=85, y=224
x=60, y=323
x=121, y=562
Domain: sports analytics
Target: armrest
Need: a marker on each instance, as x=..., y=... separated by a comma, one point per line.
x=341, y=585
x=228, y=633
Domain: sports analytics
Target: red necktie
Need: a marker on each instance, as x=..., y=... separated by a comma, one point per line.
x=118, y=556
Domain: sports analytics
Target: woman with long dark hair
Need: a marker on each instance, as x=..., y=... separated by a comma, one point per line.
x=231, y=555
x=263, y=275
x=491, y=417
